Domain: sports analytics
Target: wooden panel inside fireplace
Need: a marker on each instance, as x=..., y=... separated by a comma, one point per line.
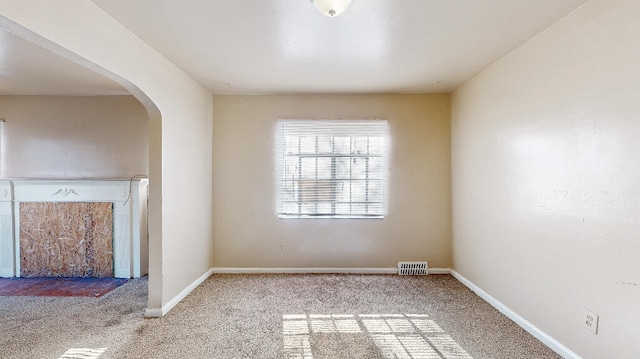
x=66, y=239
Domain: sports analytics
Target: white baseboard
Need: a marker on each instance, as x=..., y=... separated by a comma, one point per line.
x=439, y=271
x=310, y=270
x=317, y=270
x=545, y=338
x=153, y=313
x=160, y=312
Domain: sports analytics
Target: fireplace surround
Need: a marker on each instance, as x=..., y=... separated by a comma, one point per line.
x=129, y=199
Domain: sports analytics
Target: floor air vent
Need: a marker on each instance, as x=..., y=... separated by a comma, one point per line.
x=413, y=268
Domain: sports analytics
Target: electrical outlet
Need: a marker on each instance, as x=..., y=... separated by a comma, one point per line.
x=590, y=321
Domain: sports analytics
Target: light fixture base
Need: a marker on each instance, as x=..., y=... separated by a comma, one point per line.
x=331, y=8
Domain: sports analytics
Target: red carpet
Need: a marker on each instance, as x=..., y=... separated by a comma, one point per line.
x=59, y=287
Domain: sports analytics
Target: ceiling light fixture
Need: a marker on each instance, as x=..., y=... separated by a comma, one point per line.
x=331, y=8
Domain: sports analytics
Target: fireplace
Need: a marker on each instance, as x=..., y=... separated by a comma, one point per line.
x=73, y=228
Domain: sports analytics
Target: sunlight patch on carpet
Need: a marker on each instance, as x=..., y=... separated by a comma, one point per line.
x=386, y=336
x=83, y=353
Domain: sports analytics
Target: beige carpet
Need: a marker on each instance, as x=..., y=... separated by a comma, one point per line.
x=272, y=316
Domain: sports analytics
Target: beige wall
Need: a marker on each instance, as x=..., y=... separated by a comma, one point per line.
x=74, y=137
x=247, y=231
x=180, y=186
x=546, y=173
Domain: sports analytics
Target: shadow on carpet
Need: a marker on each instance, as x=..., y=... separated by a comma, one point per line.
x=59, y=287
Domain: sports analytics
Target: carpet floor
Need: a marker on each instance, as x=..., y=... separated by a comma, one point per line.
x=272, y=316
x=59, y=287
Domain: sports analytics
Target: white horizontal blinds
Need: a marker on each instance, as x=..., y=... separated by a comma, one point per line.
x=330, y=168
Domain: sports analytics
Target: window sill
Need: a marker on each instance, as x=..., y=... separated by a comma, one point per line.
x=291, y=216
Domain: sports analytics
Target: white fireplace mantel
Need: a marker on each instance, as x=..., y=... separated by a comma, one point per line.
x=129, y=198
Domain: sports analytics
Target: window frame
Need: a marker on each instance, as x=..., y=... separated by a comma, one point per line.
x=323, y=191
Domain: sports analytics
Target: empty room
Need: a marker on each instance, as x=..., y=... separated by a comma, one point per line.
x=319, y=179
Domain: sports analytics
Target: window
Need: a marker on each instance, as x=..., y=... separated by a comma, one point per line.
x=332, y=169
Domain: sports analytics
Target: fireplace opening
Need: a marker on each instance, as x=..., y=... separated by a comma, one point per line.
x=66, y=239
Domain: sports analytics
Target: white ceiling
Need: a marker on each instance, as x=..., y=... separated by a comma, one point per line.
x=27, y=69
x=286, y=46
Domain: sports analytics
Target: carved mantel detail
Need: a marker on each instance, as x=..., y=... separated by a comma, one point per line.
x=65, y=192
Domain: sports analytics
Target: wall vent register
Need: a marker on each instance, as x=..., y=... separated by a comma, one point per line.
x=413, y=268
x=332, y=168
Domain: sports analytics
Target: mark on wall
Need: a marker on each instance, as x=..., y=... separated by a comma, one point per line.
x=629, y=283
